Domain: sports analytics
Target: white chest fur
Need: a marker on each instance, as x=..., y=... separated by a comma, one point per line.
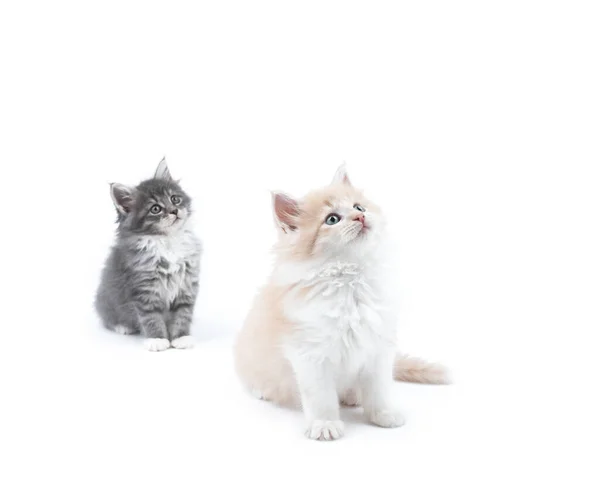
x=174, y=258
x=339, y=311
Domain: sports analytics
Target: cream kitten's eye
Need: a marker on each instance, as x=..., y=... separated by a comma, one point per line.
x=358, y=207
x=155, y=209
x=332, y=219
x=176, y=199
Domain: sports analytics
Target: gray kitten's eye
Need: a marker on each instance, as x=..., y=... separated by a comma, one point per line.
x=358, y=207
x=155, y=209
x=176, y=199
x=332, y=219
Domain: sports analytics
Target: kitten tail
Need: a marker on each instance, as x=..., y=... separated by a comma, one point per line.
x=415, y=370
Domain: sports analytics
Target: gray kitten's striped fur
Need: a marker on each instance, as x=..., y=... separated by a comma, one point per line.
x=150, y=281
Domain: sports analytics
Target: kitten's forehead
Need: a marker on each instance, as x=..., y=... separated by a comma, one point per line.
x=331, y=197
x=159, y=188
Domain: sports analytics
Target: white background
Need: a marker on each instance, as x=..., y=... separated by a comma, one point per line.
x=474, y=124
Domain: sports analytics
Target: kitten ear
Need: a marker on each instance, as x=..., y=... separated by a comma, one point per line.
x=341, y=176
x=122, y=197
x=162, y=171
x=285, y=211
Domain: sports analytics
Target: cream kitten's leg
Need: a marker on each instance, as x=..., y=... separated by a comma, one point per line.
x=350, y=397
x=319, y=399
x=375, y=383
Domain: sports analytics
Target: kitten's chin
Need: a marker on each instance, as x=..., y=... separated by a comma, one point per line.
x=177, y=225
x=174, y=226
x=365, y=233
x=365, y=239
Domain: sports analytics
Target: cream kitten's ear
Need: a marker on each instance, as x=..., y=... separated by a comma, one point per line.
x=285, y=211
x=162, y=171
x=341, y=176
x=122, y=197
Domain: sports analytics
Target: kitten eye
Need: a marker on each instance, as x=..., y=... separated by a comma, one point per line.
x=155, y=209
x=358, y=207
x=176, y=200
x=332, y=219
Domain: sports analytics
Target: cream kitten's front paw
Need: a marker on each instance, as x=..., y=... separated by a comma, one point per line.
x=185, y=342
x=387, y=418
x=325, y=430
x=156, y=344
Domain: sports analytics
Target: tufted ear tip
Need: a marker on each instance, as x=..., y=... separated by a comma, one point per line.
x=162, y=170
x=341, y=176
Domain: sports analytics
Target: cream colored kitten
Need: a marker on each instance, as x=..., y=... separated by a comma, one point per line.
x=322, y=330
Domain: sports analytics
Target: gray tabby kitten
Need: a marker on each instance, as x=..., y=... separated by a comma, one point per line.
x=150, y=281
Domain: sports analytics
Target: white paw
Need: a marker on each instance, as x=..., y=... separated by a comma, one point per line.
x=156, y=344
x=183, y=342
x=325, y=430
x=387, y=418
x=123, y=330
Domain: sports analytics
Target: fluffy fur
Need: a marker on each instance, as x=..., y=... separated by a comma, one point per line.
x=150, y=281
x=322, y=330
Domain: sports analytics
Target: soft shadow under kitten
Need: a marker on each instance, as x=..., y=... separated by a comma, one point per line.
x=150, y=280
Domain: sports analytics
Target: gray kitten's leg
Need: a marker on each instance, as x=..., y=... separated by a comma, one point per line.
x=182, y=311
x=150, y=312
x=113, y=317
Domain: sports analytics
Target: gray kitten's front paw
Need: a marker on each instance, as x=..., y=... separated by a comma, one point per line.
x=156, y=344
x=184, y=342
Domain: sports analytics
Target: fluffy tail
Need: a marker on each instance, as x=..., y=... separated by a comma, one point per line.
x=414, y=370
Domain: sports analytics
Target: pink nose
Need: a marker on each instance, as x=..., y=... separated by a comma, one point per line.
x=360, y=218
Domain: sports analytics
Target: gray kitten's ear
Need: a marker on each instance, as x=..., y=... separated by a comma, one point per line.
x=341, y=176
x=285, y=211
x=162, y=171
x=122, y=197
